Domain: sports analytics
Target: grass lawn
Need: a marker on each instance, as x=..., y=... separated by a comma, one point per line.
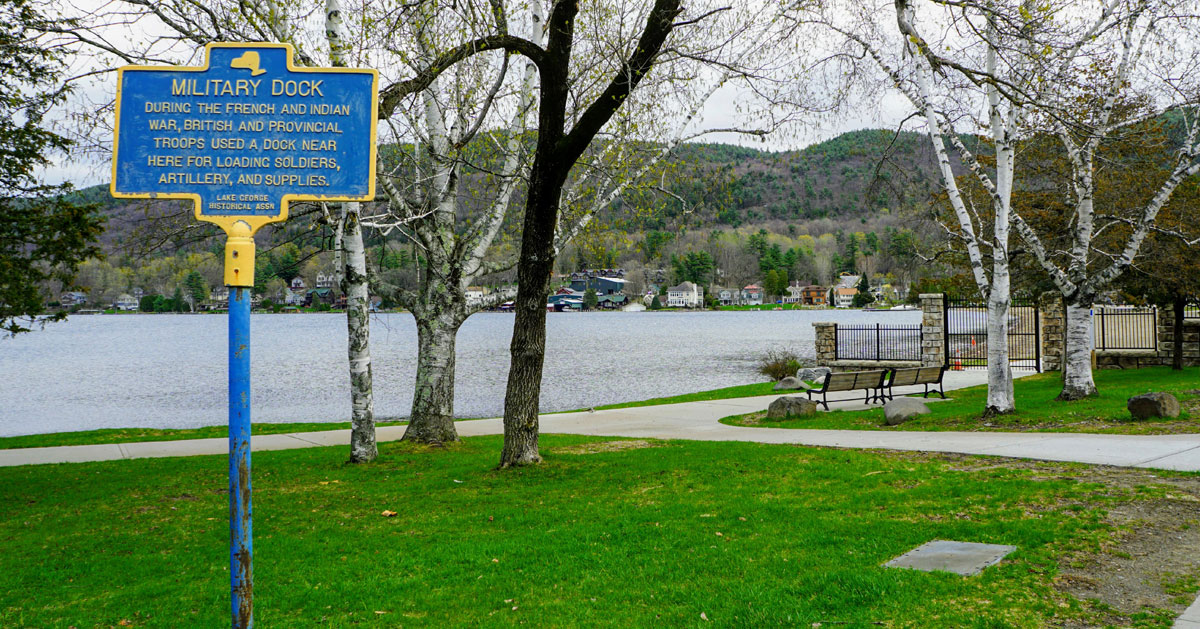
x=130, y=435
x=650, y=534
x=745, y=390
x=1036, y=408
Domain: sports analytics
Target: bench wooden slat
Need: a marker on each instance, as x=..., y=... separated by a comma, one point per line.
x=916, y=375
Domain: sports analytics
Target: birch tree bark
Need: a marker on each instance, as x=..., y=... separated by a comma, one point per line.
x=353, y=272
x=363, y=448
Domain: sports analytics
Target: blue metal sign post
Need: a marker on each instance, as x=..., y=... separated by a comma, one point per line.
x=241, y=137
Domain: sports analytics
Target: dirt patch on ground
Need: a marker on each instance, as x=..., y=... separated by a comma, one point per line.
x=1150, y=569
x=1152, y=565
x=606, y=446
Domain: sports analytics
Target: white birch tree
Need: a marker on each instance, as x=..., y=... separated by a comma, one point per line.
x=1144, y=48
x=946, y=100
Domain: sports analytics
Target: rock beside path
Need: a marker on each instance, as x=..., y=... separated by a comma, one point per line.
x=791, y=406
x=1150, y=405
x=903, y=409
x=813, y=374
x=790, y=384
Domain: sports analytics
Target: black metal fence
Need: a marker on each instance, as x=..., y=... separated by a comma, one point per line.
x=878, y=342
x=966, y=334
x=1191, y=311
x=1117, y=328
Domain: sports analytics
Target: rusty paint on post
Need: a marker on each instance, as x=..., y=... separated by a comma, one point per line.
x=240, y=513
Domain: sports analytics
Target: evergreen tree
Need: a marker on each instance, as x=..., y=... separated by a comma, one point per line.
x=197, y=287
x=44, y=233
x=590, y=301
x=864, y=296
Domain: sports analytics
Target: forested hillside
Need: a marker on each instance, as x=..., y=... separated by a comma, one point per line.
x=852, y=176
x=826, y=202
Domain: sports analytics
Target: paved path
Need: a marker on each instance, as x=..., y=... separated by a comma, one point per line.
x=698, y=420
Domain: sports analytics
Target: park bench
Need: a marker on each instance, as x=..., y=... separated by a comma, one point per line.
x=913, y=376
x=869, y=381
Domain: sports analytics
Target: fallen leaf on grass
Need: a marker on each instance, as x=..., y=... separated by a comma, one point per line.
x=719, y=534
x=703, y=616
x=379, y=612
x=388, y=514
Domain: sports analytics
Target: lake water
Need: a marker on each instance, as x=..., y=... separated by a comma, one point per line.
x=169, y=371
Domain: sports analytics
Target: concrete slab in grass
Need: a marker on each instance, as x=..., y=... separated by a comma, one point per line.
x=965, y=558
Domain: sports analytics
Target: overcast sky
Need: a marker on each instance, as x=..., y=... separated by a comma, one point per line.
x=85, y=170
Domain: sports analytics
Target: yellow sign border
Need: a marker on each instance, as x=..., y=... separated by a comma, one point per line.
x=254, y=222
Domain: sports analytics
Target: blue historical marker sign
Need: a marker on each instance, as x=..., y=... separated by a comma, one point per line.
x=245, y=134
x=242, y=137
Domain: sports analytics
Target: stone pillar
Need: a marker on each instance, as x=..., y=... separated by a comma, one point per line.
x=1166, y=338
x=933, y=330
x=1166, y=334
x=1054, y=321
x=826, y=339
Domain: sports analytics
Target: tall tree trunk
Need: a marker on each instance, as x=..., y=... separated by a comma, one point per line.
x=363, y=448
x=528, y=349
x=1077, y=362
x=1177, y=358
x=432, y=419
x=1000, y=399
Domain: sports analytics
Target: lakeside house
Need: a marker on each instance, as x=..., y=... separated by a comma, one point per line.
x=752, y=295
x=604, y=281
x=125, y=303
x=726, y=296
x=795, y=293
x=565, y=299
x=841, y=294
x=325, y=280
x=686, y=295
x=475, y=295
x=296, y=293
x=611, y=302
x=72, y=298
x=815, y=295
x=316, y=296
x=844, y=297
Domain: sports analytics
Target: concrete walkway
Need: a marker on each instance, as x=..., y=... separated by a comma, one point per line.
x=698, y=421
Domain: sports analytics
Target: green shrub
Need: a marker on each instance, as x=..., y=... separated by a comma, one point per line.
x=779, y=364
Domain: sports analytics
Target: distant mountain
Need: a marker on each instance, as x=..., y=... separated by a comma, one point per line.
x=855, y=174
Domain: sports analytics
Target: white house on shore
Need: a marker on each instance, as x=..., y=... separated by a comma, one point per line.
x=686, y=295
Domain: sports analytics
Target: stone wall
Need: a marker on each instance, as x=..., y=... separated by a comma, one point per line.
x=1054, y=327
x=933, y=330
x=1166, y=338
x=1127, y=359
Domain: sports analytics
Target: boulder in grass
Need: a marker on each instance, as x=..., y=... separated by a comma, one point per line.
x=1151, y=405
x=903, y=409
x=791, y=406
x=790, y=384
x=813, y=374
